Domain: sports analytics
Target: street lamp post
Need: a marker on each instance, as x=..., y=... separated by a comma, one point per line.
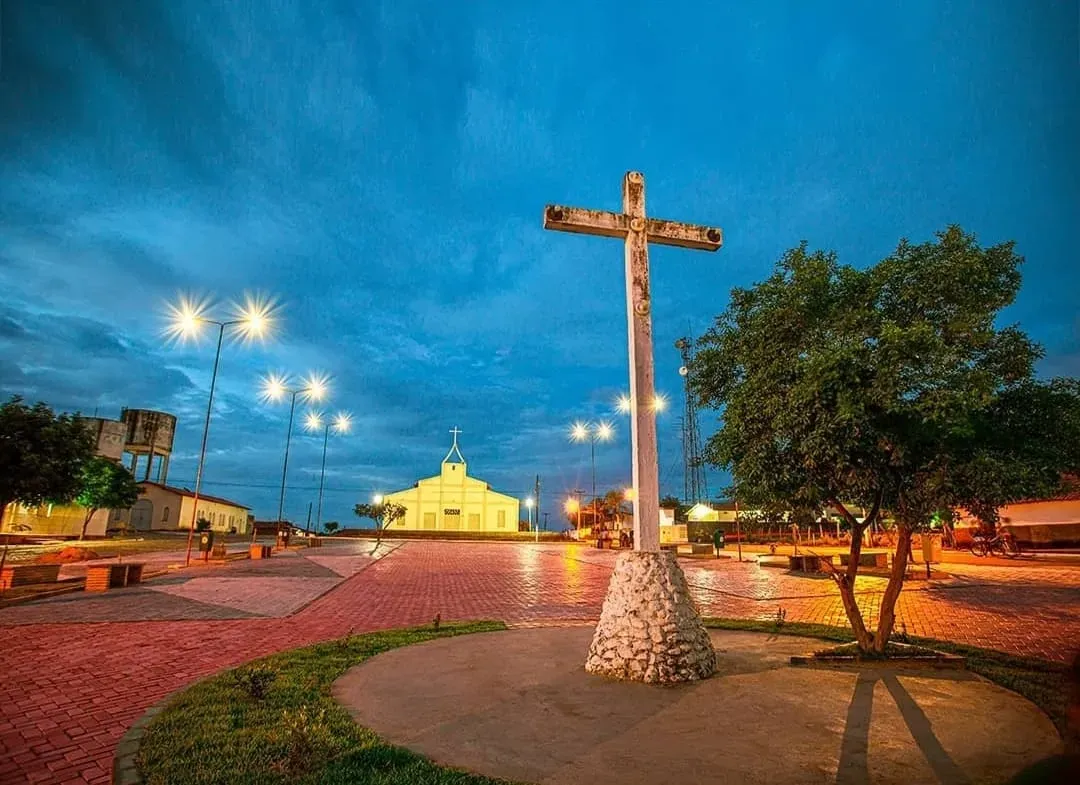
x=253, y=320
x=312, y=388
x=592, y=432
x=340, y=424
x=530, y=502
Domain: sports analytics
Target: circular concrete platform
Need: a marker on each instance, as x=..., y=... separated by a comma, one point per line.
x=519, y=705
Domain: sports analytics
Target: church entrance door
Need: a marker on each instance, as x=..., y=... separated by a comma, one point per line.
x=451, y=519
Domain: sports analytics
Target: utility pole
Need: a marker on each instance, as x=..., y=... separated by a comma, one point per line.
x=545, y=521
x=577, y=493
x=536, y=499
x=307, y=527
x=695, y=488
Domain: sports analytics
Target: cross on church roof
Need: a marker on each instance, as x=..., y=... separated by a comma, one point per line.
x=454, y=447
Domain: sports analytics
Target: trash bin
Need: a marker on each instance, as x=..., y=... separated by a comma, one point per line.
x=206, y=541
x=931, y=548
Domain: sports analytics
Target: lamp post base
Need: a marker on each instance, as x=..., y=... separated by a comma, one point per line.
x=650, y=630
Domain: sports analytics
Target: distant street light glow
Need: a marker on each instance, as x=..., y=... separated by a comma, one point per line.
x=343, y=422
x=377, y=499
x=624, y=405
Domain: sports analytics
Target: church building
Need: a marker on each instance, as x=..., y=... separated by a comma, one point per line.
x=453, y=501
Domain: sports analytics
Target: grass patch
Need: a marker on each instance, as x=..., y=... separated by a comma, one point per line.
x=220, y=731
x=1041, y=682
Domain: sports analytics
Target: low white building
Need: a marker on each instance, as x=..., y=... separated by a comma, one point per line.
x=163, y=507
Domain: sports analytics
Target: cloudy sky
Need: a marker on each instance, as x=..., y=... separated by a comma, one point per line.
x=381, y=168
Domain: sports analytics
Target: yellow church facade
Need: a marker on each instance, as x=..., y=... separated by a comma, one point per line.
x=453, y=501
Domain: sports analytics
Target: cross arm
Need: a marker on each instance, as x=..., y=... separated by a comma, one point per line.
x=583, y=221
x=703, y=238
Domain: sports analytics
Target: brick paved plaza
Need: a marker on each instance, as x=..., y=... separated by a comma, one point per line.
x=78, y=669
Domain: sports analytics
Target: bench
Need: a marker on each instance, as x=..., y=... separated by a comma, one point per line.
x=219, y=552
x=867, y=559
x=807, y=562
x=102, y=577
x=28, y=575
x=314, y=542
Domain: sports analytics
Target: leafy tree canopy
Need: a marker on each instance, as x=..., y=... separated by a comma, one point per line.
x=891, y=384
x=106, y=485
x=41, y=454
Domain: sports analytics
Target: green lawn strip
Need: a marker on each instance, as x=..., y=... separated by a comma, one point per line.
x=1041, y=682
x=216, y=732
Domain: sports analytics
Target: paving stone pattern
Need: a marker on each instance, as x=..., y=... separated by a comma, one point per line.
x=71, y=687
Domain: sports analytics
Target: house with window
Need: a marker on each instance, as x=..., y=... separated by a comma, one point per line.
x=453, y=501
x=166, y=508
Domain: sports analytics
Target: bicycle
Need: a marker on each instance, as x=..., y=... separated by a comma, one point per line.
x=1003, y=545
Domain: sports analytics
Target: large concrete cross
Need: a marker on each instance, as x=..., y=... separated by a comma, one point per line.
x=638, y=231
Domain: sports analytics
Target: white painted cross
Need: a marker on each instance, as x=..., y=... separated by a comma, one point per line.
x=638, y=232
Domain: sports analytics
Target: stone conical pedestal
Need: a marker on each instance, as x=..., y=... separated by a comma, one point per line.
x=649, y=628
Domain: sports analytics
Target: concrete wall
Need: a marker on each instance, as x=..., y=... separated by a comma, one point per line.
x=60, y=520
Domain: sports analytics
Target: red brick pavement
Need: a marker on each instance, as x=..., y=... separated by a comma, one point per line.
x=70, y=691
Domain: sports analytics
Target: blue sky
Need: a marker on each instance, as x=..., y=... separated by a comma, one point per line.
x=381, y=169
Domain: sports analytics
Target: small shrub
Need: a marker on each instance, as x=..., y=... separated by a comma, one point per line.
x=307, y=739
x=781, y=617
x=255, y=681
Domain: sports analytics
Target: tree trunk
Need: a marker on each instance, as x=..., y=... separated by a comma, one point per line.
x=845, y=582
x=887, y=613
x=86, y=522
x=7, y=537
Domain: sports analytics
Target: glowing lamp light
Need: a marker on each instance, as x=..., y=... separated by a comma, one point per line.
x=530, y=502
x=660, y=402
x=343, y=422
x=186, y=319
x=579, y=432
x=316, y=387
x=605, y=431
x=255, y=317
x=628, y=494
x=313, y=421
x=377, y=499
x=622, y=404
x=274, y=387
x=571, y=505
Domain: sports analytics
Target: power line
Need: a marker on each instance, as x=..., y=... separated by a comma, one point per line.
x=277, y=486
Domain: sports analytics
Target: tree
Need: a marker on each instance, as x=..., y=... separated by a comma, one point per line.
x=41, y=455
x=106, y=485
x=384, y=514
x=888, y=387
x=331, y=526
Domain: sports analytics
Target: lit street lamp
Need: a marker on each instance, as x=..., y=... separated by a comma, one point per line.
x=624, y=405
x=313, y=388
x=341, y=424
x=254, y=319
x=572, y=506
x=530, y=502
x=592, y=432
